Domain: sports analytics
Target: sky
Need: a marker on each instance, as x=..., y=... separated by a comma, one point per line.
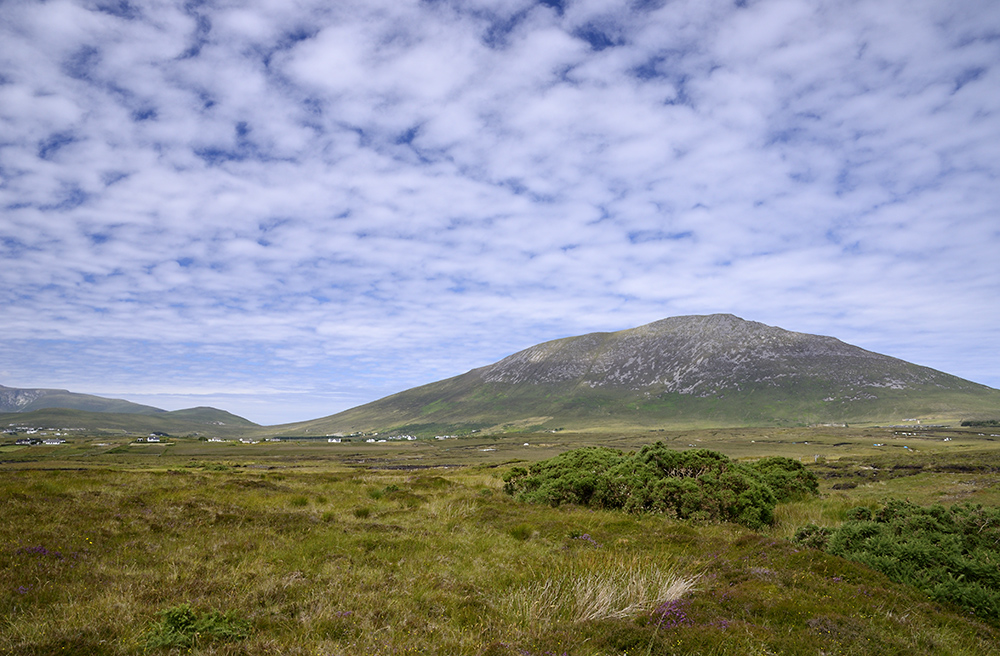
x=288, y=208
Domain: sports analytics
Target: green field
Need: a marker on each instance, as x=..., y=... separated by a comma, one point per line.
x=112, y=547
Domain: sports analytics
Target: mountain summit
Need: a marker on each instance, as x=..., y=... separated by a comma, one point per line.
x=706, y=356
x=715, y=370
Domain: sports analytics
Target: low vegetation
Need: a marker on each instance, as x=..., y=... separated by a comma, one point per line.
x=696, y=484
x=183, y=627
x=952, y=554
x=263, y=551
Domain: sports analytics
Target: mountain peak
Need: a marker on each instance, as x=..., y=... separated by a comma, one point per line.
x=697, y=354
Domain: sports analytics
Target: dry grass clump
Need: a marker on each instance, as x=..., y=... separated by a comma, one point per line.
x=588, y=589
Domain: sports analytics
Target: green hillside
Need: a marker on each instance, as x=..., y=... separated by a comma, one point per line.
x=207, y=415
x=452, y=405
x=195, y=421
x=26, y=400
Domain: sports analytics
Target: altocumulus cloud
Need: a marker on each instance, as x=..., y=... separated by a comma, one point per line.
x=286, y=209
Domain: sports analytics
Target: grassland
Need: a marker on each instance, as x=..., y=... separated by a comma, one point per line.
x=411, y=547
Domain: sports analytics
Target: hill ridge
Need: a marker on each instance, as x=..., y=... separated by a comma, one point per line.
x=28, y=399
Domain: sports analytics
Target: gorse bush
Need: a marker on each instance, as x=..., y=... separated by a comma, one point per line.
x=952, y=554
x=696, y=484
x=789, y=479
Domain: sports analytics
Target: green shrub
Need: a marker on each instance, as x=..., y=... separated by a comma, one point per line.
x=789, y=479
x=182, y=627
x=696, y=484
x=860, y=514
x=570, y=477
x=952, y=554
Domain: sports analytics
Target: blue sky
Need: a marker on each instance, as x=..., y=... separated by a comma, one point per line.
x=286, y=209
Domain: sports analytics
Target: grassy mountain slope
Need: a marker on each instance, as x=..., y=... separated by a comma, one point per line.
x=208, y=415
x=55, y=408
x=202, y=421
x=714, y=370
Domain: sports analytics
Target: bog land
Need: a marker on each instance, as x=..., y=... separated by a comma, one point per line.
x=112, y=546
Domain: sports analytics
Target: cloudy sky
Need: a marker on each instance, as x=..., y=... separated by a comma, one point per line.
x=286, y=208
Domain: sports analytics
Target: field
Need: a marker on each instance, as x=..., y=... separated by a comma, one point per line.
x=111, y=547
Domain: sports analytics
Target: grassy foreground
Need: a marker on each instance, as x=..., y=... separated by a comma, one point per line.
x=244, y=556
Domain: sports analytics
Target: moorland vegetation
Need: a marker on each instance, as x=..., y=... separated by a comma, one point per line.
x=275, y=549
x=951, y=553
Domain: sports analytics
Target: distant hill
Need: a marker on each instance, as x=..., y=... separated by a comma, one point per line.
x=716, y=370
x=207, y=415
x=26, y=400
x=200, y=421
x=56, y=408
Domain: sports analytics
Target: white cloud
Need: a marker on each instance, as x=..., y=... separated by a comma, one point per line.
x=375, y=195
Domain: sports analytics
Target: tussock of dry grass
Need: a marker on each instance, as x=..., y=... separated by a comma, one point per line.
x=595, y=590
x=626, y=594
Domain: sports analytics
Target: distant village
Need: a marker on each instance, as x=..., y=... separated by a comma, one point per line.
x=36, y=436
x=49, y=436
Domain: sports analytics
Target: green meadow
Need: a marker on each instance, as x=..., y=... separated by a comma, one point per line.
x=111, y=547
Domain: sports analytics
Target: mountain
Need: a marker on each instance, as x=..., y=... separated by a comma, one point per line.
x=200, y=421
x=25, y=400
x=62, y=408
x=716, y=370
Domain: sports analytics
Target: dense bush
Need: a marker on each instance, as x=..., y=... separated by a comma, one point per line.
x=952, y=554
x=789, y=479
x=696, y=484
x=571, y=477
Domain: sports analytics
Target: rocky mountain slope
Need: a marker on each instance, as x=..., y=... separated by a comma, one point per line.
x=706, y=356
x=695, y=370
x=14, y=399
